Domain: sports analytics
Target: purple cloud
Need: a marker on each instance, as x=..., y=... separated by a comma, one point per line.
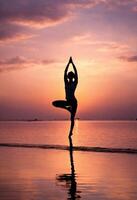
x=129, y=58
x=18, y=62
x=16, y=15
x=9, y=32
x=45, y=12
x=135, y=9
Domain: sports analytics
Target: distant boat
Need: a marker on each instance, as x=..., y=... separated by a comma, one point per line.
x=33, y=120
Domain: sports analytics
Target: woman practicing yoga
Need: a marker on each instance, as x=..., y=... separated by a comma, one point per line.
x=71, y=81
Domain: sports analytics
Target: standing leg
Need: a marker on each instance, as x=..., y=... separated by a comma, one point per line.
x=72, y=125
x=73, y=112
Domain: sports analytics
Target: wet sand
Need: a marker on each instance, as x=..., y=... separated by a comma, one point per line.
x=41, y=174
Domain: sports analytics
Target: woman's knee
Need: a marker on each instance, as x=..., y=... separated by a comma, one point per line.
x=54, y=103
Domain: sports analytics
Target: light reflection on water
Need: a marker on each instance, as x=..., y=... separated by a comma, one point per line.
x=39, y=174
x=36, y=174
x=120, y=134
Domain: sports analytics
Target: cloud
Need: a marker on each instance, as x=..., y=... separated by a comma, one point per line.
x=99, y=45
x=129, y=58
x=31, y=12
x=45, y=13
x=13, y=32
x=18, y=15
x=112, y=46
x=17, y=63
x=81, y=38
x=118, y=3
x=135, y=9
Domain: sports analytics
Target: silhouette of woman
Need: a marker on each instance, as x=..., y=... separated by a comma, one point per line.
x=71, y=81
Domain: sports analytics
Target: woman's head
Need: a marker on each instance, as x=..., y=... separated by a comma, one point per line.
x=71, y=75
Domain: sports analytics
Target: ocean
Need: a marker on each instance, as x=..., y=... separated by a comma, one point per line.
x=37, y=162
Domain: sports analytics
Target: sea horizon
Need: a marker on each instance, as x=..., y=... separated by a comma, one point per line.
x=38, y=120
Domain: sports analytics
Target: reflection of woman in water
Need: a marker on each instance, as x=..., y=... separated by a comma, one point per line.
x=70, y=179
x=71, y=81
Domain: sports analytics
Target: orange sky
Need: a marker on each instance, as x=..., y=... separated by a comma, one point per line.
x=38, y=37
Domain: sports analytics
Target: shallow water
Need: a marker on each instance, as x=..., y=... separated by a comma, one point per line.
x=120, y=134
x=39, y=174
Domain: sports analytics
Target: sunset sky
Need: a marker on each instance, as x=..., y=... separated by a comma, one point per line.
x=37, y=37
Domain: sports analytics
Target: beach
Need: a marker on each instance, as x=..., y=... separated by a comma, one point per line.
x=54, y=174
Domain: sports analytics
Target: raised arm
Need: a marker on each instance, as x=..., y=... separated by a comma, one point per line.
x=66, y=70
x=75, y=70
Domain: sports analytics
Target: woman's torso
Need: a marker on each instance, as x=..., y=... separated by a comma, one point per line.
x=70, y=90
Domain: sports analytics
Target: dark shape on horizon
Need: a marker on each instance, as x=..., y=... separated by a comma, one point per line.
x=33, y=120
x=70, y=179
x=71, y=81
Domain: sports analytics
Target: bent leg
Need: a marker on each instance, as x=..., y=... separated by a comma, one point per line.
x=61, y=104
